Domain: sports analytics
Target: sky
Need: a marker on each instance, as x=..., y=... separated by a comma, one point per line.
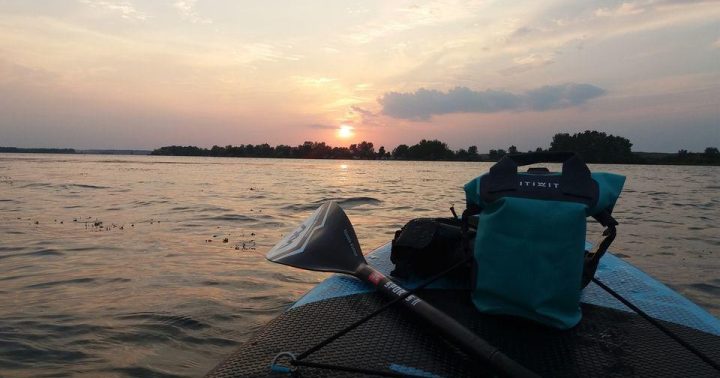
x=144, y=74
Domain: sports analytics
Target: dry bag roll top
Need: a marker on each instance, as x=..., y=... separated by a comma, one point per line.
x=529, y=251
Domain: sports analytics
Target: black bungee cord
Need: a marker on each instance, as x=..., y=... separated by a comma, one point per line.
x=658, y=325
x=299, y=359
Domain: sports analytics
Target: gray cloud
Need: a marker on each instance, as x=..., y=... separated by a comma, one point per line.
x=424, y=103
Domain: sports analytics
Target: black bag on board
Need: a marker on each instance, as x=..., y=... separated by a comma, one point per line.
x=427, y=246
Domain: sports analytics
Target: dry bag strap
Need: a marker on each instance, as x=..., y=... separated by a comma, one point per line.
x=592, y=259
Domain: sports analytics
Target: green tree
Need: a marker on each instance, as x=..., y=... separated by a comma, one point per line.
x=472, y=151
x=366, y=150
x=430, y=150
x=401, y=152
x=594, y=146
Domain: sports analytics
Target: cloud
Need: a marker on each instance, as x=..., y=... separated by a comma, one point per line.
x=253, y=52
x=529, y=62
x=367, y=117
x=624, y=9
x=126, y=10
x=406, y=18
x=561, y=96
x=187, y=11
x=424, y=103
x=314, y=81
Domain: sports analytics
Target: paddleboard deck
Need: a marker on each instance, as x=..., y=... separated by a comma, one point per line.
x=611, y=340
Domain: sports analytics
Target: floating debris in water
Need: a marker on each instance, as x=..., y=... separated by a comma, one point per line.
x=246, y=245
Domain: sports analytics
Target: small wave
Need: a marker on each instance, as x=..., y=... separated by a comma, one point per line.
x=216, y=341
x=179, y=321
x=61, y=282
x=346, y=203
x=84, y=186
x=197, y=208
x=147, y=203
x=45, y=252
x=18, y=351
x=118, y=279
x=10, y=249
x=37, y=185
x=10, y=278
x=42, y=252
x=67, y=330
x=234, y=218
x=139, y=371
x=706, y=288
x=356, y=201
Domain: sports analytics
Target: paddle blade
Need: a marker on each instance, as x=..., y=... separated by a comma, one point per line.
x=325, y=242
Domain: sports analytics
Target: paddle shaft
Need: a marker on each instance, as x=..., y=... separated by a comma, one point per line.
x=455, y=332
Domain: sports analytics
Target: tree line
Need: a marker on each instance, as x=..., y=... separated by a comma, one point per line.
x=17, y=150
x=592, y=146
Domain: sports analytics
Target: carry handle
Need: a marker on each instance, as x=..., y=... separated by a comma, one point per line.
x=575, y=181
x=541, y=157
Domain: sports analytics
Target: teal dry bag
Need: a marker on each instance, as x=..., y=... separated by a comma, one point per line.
x=529, y=251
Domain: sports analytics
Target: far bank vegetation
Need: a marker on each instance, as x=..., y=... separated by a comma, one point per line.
x=593, y=146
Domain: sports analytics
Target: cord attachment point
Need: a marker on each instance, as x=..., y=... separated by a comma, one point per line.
x=283, y=363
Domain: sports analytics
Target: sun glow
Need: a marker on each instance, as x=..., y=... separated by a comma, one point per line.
x=345, y=132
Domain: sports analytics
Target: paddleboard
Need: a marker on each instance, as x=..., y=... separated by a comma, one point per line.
x=611, y=340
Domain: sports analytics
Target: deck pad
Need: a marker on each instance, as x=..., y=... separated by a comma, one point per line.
x=611, y=340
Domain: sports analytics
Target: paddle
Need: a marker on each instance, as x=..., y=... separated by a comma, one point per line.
x=326, y=242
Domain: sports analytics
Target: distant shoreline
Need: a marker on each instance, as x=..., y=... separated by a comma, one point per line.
x=644, y=158
x=71, y=151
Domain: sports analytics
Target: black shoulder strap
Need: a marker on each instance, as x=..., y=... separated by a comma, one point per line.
x=592, y=259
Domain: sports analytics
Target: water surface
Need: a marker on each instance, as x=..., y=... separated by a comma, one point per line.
x=117, y=265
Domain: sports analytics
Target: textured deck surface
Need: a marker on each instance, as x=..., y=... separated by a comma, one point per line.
x=609, y=341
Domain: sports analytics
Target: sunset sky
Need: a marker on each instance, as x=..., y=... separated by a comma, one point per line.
x=144, y=74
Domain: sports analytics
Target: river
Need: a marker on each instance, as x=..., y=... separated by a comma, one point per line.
x=147, y=265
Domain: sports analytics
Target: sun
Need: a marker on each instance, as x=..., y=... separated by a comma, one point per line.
x=345, y=132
